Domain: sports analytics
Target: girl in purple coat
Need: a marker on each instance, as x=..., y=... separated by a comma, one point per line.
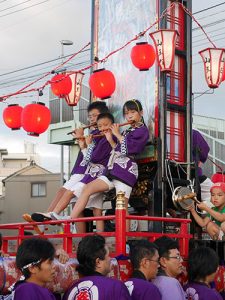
x=122, y=170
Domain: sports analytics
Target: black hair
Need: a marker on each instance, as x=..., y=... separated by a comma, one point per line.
x=165, y=244
x=89, y=249
x=106, y=115
x=32, y=250
x=99, y=105
x=202, y=261
x=133, y=104
x=141, y=249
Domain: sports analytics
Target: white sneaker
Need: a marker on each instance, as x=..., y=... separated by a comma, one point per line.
x=55, y=216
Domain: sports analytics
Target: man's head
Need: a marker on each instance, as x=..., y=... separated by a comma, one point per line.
x=93, y=256
x=170, y=259
x=104, y=121
x=34, y=258
x=96, y=108
x=145, y=258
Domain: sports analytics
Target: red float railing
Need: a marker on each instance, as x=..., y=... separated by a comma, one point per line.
x=120, y=234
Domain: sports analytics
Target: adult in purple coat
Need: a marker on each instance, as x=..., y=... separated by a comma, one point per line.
x=34, y=258
x=202, y=266
x=145, y=260
x=94, y=265
x=170, y=267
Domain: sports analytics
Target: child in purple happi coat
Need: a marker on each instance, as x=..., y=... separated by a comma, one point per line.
x=122, y=169
x=96, y=157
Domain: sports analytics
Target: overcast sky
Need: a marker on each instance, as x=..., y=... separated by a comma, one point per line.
x=31, y=36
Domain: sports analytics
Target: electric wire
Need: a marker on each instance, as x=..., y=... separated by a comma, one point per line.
x=210, y=7
x=213, y=36
x=15, y=5
x=33, y=5
x=209, y=24
x=32, y=66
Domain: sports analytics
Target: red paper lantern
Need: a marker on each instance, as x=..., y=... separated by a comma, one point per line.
x=102, y=83
x=12, y=116
x=143, y=56
x=61, y=85
x=36, y=118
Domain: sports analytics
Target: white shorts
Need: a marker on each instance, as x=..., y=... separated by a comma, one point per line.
x=75, y=178
x=95, y=200
x=118, y=185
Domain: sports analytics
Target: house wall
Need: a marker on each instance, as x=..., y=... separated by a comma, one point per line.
x=18, y=200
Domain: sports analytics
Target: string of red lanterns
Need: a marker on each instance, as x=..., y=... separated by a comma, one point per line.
x=34, y=118
x=102, y=82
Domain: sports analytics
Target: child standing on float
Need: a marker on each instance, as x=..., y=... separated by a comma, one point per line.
x=122, y=170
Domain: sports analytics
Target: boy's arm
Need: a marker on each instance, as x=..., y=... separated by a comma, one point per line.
x=201, y=221
x=216, y=215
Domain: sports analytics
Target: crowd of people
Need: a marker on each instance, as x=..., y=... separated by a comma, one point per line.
x=107, y=160
x=156, y=267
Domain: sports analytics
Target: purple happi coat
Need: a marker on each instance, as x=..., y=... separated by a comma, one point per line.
x=31, y=291
x=97, y=288
x=200, y=149
x=200, y=291
x=78, y=168
x=96, y=159
x=122, y=165
x=141, y=289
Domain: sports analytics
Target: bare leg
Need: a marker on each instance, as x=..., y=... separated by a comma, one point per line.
x=99, y=224
x=91, y=188
x=81, y=226
x=63, y=202
x=213, y=230
x=57, y=198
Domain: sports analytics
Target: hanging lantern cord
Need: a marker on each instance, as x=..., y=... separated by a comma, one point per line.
x=191, y=15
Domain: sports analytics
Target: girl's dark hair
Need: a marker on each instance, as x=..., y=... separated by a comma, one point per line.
x=202, y=261
x=89, y=249
x=133, y=104
x=99, y=105
x=32, y=250
x=106, y=115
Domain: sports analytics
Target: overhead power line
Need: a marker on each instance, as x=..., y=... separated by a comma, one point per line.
x=15, y=5
x=209, y=24
x=23, y=8
x=210, y=7
x=26, y=68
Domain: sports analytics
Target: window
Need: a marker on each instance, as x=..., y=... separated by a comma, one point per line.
x=38, y=189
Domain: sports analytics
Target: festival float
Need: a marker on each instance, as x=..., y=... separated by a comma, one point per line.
x=146, y=56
